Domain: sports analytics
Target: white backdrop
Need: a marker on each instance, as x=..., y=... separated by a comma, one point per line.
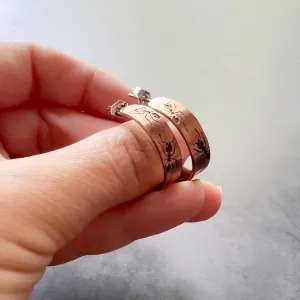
x=236, y=64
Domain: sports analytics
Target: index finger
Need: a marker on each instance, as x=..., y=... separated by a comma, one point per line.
x=32, y=74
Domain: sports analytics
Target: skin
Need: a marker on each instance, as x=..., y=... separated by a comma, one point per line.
x=74, y=180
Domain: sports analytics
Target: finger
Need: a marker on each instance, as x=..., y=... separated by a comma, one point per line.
x=27, y=132
x=32, y=74
x=153, y=214
x=68, y=126
x=212, y=202
x=68, y=188
x=3, y=152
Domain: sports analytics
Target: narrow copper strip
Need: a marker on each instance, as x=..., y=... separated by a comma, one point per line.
x=191, y=131
x=155, y=125
x=188, y=126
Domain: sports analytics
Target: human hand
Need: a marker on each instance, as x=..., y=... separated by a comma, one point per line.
x=75, y=183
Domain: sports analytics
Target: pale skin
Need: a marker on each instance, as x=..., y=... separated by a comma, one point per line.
x=74, y=183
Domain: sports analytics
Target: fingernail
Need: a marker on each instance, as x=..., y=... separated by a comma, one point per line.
x=220, y=189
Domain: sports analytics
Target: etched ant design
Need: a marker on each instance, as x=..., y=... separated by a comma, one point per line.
x=150, y=115
x=169, y=149
x=176, y=115
x=202, y=145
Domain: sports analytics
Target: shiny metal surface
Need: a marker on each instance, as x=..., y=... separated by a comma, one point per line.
x=156, y=126
x=187, y=126
x=236, y=65
x=191, y=131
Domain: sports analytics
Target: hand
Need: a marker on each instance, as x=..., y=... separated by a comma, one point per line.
x=73, y=180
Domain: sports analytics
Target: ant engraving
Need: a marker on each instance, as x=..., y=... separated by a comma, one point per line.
x=169, y=151
x=176, y=115
x=202, y=145
x=149, y=114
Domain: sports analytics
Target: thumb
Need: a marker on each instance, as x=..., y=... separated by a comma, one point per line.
x=64, y=190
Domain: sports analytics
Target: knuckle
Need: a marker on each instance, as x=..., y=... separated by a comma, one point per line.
x=113, y=166
x=133, y=158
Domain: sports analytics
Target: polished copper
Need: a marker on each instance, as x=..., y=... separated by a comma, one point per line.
x=155, y=125
x=191, y=131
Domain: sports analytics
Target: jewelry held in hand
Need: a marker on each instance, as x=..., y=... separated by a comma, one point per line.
x=188, y=126
x=155, y=125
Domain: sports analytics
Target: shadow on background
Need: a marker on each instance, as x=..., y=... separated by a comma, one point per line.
x=126, y=274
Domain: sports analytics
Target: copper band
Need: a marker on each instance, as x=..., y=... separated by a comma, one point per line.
x=155, y=125
x=191, y=131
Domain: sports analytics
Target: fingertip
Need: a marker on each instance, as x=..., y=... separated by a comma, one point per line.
x=164, y=209
x=212, y=202
x=183, y=198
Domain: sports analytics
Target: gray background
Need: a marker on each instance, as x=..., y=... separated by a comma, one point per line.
x=236, y=64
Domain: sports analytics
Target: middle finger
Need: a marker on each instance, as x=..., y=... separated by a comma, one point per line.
x=27, y=132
